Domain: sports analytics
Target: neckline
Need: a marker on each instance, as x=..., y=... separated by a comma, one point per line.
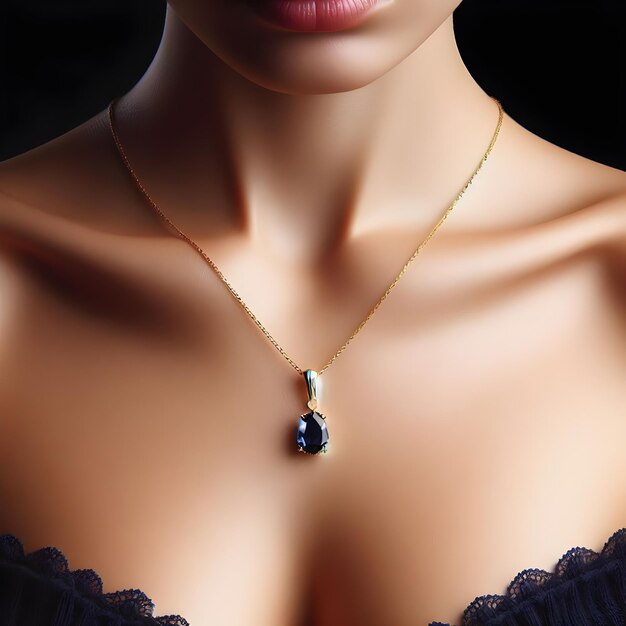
x=532, y=585
x=526, y=586
x=50, y=562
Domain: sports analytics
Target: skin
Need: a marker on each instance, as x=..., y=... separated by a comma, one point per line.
x=477, y=422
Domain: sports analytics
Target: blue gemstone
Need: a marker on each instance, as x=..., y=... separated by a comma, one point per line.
x=312, y=435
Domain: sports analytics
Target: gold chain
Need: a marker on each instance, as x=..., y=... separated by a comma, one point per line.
x=237, y=297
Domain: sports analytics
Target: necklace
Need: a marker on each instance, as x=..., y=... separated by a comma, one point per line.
x=311, y=432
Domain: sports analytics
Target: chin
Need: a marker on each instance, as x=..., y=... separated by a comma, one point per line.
x=308, y=63
x=334, y=68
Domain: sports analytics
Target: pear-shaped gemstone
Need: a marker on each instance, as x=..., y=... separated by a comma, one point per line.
x=312, y=435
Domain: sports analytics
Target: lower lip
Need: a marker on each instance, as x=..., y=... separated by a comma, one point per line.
x=314, y=15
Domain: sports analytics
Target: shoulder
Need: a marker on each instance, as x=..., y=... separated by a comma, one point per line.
x=539, y=210
x=55, y=201
x=589, y=222
x=592, y=213
x=74, y=180
x=535, y=186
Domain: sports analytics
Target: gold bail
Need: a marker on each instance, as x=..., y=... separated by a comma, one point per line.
x=310, y=376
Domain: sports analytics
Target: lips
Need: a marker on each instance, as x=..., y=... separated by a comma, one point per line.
x=314, y=15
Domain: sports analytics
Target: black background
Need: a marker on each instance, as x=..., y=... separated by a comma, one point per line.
x=558, y=67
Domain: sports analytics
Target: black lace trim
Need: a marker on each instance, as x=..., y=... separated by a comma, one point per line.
x=527, y=586
x=131, y=604
x=535, y=594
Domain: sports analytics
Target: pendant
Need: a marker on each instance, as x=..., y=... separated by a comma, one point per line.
x=312, y=434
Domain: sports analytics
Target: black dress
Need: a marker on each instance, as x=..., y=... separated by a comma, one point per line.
x=585, y=588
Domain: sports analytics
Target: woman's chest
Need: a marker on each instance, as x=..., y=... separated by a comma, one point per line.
x=463, y=448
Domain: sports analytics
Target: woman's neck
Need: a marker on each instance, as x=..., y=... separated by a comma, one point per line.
x=304, y=172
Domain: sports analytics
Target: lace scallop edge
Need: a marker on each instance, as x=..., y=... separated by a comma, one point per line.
x=134, y=603
x=131, y=604
x=530, y=582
